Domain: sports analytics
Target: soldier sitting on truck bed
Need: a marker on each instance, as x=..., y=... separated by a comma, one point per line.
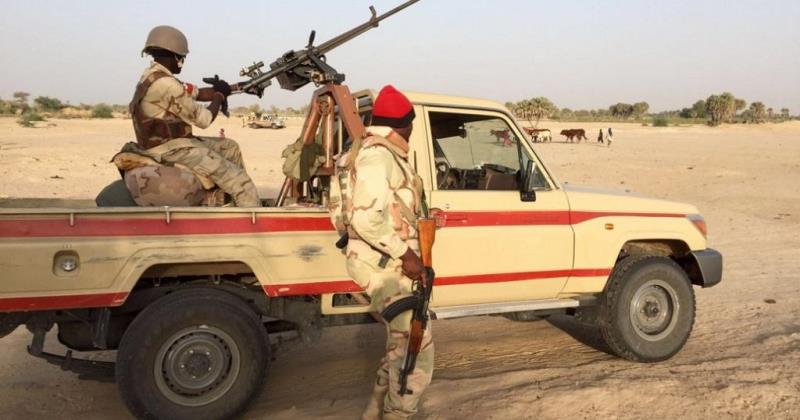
x=164, y=109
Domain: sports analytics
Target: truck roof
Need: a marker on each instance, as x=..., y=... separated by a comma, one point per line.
x=425, y=98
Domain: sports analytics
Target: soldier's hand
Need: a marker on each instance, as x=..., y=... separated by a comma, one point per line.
x=219, y=85
x=412, y=265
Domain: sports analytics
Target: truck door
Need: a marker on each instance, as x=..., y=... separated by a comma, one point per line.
x=492, y=245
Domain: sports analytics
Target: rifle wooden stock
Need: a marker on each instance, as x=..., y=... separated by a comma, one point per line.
x=427, y=235
x=422, y=293
x=415, y=336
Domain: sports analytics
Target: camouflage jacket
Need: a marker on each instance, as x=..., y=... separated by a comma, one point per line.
x=377, y=200
x=171, y=101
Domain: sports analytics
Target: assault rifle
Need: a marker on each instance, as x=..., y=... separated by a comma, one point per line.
x=418, y=303
x=296, y=69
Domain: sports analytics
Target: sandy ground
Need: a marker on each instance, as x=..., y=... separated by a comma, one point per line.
x=741, y=361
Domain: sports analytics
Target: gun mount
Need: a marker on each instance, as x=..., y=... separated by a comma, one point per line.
x=296, y=69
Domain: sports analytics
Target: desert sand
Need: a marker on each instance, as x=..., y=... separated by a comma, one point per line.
x=742, y=360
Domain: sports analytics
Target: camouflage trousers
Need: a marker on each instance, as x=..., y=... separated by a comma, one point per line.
x=384, y=286
x=215, y=158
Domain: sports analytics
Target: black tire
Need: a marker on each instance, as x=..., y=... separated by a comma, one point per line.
x=162, y=359
x=8, y=323
x=647, y=311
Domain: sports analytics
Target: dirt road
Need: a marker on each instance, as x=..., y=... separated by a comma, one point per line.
x=742, y=360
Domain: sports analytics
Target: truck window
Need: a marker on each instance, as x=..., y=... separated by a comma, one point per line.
x=476, y=152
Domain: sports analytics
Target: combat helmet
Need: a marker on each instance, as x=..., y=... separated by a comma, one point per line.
x=167, y=38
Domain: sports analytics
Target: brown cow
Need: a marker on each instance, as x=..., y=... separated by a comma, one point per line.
x=502, y=135
x=573, y=133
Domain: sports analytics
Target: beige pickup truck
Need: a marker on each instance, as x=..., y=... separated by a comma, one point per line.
x=189, y=296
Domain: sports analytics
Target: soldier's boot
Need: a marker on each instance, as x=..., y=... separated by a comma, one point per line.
x=374, y=410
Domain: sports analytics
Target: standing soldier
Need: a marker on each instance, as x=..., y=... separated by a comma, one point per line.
x=164, y=109
x=375, y=203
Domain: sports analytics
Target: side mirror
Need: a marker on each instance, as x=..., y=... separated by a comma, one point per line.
x=527, y=192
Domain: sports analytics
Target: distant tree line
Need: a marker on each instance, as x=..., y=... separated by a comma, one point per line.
x=715, y=110
x=45, y=106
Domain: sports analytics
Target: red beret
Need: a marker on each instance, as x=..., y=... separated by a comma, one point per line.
x=392, y=109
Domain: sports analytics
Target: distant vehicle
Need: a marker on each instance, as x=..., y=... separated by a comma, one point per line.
x=264, y=121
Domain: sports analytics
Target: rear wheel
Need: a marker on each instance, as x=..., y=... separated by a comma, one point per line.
x=192, y=354
x=647, y=310
x=8, y=323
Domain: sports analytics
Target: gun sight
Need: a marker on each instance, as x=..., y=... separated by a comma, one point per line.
x=252, y=71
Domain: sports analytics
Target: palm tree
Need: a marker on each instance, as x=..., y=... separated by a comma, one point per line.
x=540, y=107
x=758, y=111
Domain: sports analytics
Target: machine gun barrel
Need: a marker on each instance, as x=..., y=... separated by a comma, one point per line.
x=364, y=27
x=311, y=56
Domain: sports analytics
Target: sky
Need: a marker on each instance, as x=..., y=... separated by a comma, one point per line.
x=582, y=54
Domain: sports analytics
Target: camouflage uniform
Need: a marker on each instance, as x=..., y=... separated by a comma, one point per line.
x=163, y=111
x=375, y=213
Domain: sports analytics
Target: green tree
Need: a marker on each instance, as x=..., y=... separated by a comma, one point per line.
x=738, y=105
x=47, y=104
x=730, y=106
x=102, y=111
x=523, y=110
x=716, y=109
x=21, y=100
x=640, y=108
x=541, y=107
x=621, y=110
x=699, y=109
x=758, y=111
x=6, y=107
x=21, y=97
x=785, y=113
x=255, y=108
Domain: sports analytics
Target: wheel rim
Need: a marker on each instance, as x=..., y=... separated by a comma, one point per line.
x=654, y=310
x=197, y=365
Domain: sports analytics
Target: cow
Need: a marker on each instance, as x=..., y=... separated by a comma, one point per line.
x=502, y=135
x=573, y=133
x=539, y=134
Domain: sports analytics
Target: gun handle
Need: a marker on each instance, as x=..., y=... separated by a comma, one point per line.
x=427, y=235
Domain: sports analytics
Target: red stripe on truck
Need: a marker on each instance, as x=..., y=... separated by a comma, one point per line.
x=85, y=226
x=349, y=286
x=152, y=227
x=42, y=303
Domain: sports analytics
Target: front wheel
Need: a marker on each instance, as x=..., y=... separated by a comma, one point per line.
x=647, y=310
x=192, y=354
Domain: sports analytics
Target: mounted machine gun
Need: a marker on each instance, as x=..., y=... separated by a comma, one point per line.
x=296, y=69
